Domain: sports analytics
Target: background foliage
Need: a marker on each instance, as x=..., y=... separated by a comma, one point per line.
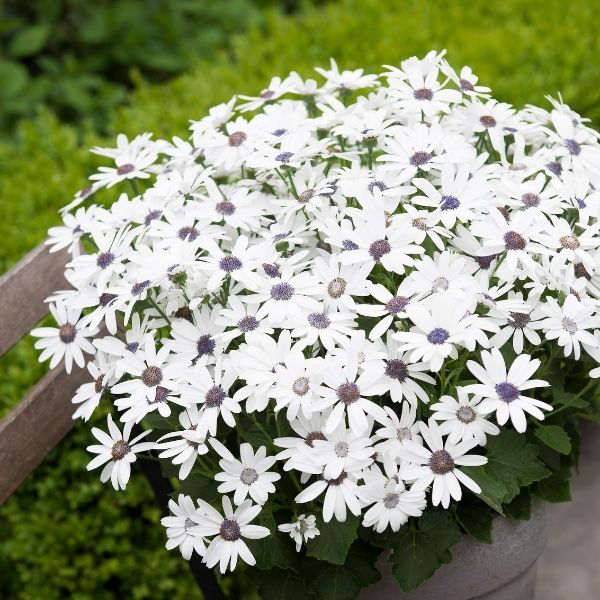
x=63, y=533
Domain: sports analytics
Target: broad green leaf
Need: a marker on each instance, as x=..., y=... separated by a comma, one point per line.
x=423, y=548
x=476, y=518
x=555, y=437
x=343, y=582
x=29, y=41
x=520, y=506
x=279, y=584
x=198, y=485
x=334, y=540
x=275, y=550
x=493, y=491
x=13, y=78
x=555, y=488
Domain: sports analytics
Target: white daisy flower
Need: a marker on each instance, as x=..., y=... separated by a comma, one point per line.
x=184, y=516
x=118, y=451
x=301, y=530
x=502, y=390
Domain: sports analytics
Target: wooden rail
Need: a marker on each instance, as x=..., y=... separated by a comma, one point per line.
x=36, y=425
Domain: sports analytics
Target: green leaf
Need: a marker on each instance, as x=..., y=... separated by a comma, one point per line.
x=343, y=582
x=334, y=540
x=492, y=491
x=476, y=518
x=421, y=550
x=279, y=584
x=197, y=485
x=520, y=506
x=555, y=488
x=13, y=78
x=555, y=437
x=29, y=41
x=275, y=550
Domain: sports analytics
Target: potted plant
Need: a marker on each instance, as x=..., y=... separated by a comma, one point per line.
x=357, y=323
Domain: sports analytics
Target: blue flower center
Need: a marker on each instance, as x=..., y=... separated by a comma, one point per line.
x=507, y=391
x=437, y=336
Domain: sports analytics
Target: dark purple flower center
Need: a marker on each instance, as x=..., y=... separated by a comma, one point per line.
x=555, y=168
x=466, y=85
x=377, y=185
x=106, y=298
x=306, y=195
x=519, y=320
x=284, y=157
x=440, y=462
x=225, y=208
x=339, y=479
x=581, y=271
x=423, y=94
x=485, y=261
x=237, y=138
x=420, y=158
x=396, y=369
x=397, y=304
x=319, y=320
x=230, y=531
x=488, y=121
x=151, y=216
x=573, y=147
x=379, y=249
x=230, y=264
x=188, y=233
x=205, y=345
x=449, y=203
x=271, y=270
x=125, y=169
x=530, y=200
x=507, y=391
x=312, y=437
x=105, y=259
x=348, y=392
x=137, y=289
x=437, y=336
x=266, y=94
x=514, y=241
x=119, y=450
x=349, y=245
x=279, y=132
x=282, y=291
x=246, y=324
x=132, y=347
x=160, y=395
x=214, y=397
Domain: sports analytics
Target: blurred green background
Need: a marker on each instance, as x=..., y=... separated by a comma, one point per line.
x=75, y=73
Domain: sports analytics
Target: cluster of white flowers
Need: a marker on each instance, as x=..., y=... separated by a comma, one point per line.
x=340, y=264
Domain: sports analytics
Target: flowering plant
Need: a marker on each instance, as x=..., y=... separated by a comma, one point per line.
x=360, y=315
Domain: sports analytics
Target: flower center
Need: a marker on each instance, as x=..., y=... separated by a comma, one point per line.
x=98, y=385
x=306, y=195
x=419, y=158
x=160, y=395
x=466, y=85
x=555, y=168
x=230, y=530
x=397, y=304
x=440, y=284
x=530, y=200
x=279, y=132
x=248, y=476
x=441, y=462
x=282, y=291
x=379, y=249
x=137, y=289
x=284, y=157
x=214, y=397
x=132, y=347
x=188, y=233
x=125, y=169
x=449, y=203
x=391, y=500
x=348, y=392
x=302, y=526
x=349, y=245
x=246, y=324
x=301, y=386
x=396, y=369
x=573, y=147
x=230, y=264
x=105, y=299
x=519, y=320
x=465, y=414
x=423, y=94
x=336, y=287
x=319, y=320
x=151, y=216
x=188, y=523
x=338, y=480
x=105, y=259
x=570, y=242
x=484, y=262
x=569, y=325
x=119, y=450
x=237, y=138
x=437, y=336
x=488, y=121
x=514, y=241
x=341, y=449
x=507, y=391
x=271, y=270
x=581, y=271
x=205, y=345
x=312, y=437
x=184, y=312
x=67, y=333
x=225, y=208
x=377, y=184
x=151, y=376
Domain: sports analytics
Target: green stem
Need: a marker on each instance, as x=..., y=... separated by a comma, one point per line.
x=159, y=309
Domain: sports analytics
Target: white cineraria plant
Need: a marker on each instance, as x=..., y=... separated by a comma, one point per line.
x=355, y=300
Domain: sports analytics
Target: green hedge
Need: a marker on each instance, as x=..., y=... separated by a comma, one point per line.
x=100, y=540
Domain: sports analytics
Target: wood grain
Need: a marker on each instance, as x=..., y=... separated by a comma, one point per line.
x=36, y=425
x=23, y=290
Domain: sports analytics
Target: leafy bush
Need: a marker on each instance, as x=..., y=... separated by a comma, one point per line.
x=524, y=49
x=81, y=57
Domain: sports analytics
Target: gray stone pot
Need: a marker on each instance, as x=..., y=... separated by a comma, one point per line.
x=502, y=570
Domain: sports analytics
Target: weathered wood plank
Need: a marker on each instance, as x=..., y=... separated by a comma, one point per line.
x=36, y=425
x=23, y=290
